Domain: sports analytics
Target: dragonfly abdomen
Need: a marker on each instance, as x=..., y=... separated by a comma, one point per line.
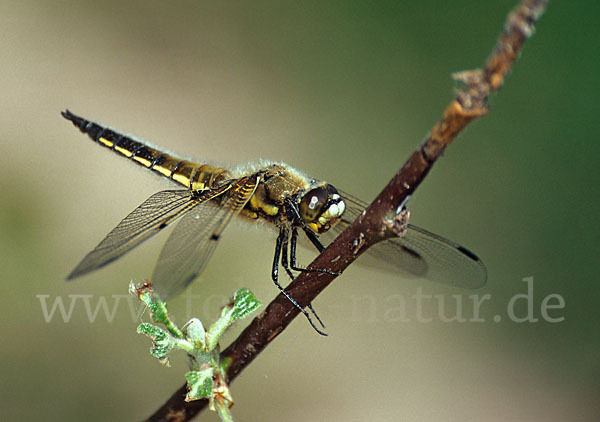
x=192, y=175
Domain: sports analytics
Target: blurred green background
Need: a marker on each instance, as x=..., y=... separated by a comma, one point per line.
x=344, y=91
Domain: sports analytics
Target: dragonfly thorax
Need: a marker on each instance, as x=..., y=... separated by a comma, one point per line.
x=320, y=207
x=317, y=204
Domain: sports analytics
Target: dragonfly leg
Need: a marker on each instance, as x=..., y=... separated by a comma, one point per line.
x=295, y=267
x=281, y=245
x=286, y=265
x=296, y=218
x=284, y=256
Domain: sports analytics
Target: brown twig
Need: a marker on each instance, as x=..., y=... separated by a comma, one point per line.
x=470, y=103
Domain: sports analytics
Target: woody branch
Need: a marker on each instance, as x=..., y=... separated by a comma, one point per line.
x=470, y=103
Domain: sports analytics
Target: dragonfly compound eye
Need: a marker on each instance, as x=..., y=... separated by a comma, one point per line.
x=321, y=207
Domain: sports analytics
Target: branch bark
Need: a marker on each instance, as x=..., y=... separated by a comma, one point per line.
x=470, y=102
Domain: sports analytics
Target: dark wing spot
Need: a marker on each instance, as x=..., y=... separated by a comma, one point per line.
x=470, y=254
x=214, y=237
x=411, y=252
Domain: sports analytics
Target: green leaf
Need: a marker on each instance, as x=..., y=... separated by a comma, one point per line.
x=200, y=384
x=161, y=340
x=244, y=304
x=158, y=308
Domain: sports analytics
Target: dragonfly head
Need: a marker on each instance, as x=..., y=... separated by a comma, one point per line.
x=320, y=207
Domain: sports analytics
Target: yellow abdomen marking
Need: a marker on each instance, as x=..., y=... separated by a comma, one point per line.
x=142, y=161
x=105, y=142
x=180, y=178
x=123, y=151
x=162, y=170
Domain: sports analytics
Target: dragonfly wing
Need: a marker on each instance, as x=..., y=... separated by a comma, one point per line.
x=146, y=220
x=195, y=237
x=444, y=261
x=419, y=253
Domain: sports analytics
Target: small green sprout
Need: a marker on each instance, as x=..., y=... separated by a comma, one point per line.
x=206, y=378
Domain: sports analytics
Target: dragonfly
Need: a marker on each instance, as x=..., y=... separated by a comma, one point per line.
x=266, y=192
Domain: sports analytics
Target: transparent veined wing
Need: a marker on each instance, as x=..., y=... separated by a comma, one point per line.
x=419, y=253
x=146, y=220
x=195, y=237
